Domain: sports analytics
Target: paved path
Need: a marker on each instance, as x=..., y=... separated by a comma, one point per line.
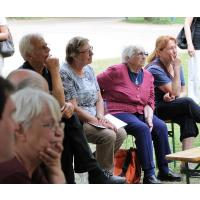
x=108, y=36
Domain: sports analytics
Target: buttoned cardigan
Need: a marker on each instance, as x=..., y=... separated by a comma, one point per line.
x=121, y=95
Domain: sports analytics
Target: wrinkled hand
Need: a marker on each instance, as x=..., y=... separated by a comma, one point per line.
x=104, y=122
x=149, y=122
x=167, y=97
x=52, y=64
x=51, y=157
x=69, y=110
x=109, y=125
x=102, y=119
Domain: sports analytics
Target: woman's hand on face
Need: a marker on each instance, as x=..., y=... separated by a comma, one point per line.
x=167, y=97
x=51, y=157
x=176, y=62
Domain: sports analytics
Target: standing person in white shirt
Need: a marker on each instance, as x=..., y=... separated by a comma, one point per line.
x=194, y=59
x=3, y=36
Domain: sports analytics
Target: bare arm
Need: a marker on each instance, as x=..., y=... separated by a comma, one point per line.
x=100, y=106
x=187, y=25
x=58, y=91
x=3, y=32
x=82, y=114
x=88, y=118
x=167, y=97
x=174, y=87
x=148, y=115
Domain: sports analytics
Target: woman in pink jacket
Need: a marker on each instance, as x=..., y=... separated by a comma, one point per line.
x=128, y=91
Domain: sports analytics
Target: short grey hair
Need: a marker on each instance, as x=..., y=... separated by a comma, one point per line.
x=25, y=44
x=73, y=46
x=30, y=104
x=129, y=51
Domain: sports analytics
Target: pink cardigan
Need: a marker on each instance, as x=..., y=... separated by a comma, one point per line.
x=121, y=94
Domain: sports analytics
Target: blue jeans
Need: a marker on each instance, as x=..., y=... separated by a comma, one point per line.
x=143, y=139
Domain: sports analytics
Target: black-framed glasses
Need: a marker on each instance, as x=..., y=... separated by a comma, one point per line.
x=87, y=50
x=142, y=53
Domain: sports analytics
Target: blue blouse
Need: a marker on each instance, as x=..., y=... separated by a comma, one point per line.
x=161, y=78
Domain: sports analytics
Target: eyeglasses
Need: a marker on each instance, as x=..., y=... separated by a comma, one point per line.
x=54, y=126
x=87, y=50
x=142, y=53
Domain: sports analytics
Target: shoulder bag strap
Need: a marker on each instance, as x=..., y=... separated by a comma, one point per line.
x=127, y=161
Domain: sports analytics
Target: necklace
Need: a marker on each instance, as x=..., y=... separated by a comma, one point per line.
x=136, y=80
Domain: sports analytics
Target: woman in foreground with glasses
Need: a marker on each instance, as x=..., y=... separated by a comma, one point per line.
x=38, y=140
x=81, y=89
x=129, y=92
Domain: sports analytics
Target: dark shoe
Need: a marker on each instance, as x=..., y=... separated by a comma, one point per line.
x=171, y=176
x=106, y=177
x=151, y=180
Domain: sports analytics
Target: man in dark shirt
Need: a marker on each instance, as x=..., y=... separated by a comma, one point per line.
x=35, y=52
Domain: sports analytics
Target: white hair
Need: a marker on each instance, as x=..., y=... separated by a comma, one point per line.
x=30, y=104
x=25, y=44
x=129, y=51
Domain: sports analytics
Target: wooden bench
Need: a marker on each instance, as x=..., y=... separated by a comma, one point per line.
x=187, y=156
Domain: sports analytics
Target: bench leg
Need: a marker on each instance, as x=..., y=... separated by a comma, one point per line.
x=187, y=173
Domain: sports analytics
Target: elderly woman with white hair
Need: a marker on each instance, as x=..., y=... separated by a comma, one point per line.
x=129, y=93
x=38, y=139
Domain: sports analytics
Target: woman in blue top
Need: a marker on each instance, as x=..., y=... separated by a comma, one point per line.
x=170, y=90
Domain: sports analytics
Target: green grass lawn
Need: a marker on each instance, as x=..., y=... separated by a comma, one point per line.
x=154, y=20
x=100, y=65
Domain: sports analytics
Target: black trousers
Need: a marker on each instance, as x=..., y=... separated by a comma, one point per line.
x=183, y=111
x=76, y=147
